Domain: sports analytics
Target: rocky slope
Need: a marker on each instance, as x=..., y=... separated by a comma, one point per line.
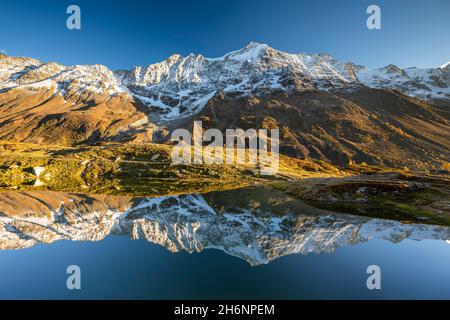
x=255, y=228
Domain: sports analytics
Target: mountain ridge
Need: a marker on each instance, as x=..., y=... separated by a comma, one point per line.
x=193, y=223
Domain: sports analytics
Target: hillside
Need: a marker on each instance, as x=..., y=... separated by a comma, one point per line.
x=329, y=110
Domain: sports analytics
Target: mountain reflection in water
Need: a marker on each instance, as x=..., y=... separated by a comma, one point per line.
x=257, y=225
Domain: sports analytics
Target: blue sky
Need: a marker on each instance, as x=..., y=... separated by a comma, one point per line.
x=121, y=34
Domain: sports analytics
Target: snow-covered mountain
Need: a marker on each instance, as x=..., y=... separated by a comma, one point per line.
x=192, y=223
x=80, y=81
x=415, y=82
x=181, y=86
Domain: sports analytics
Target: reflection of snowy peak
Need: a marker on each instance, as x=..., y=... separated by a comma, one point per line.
x=181, y=86
x=190, y=223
